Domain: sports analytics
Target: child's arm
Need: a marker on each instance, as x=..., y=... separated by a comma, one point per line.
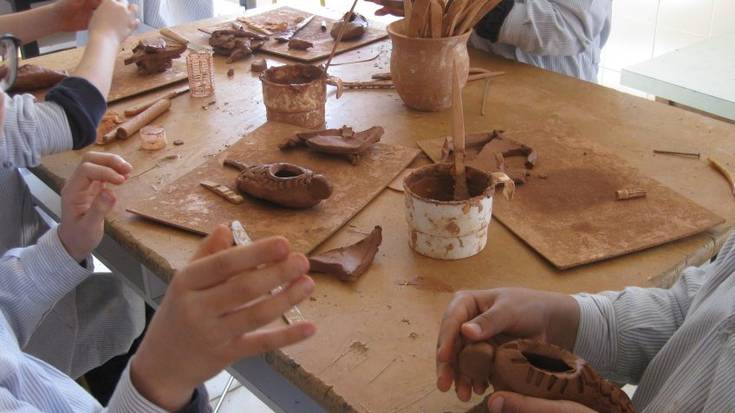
x=38, y=22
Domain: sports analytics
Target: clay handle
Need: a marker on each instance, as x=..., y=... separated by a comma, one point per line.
x=134, y=124
x=509, y=187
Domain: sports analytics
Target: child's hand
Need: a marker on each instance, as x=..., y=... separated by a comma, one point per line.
x=507, y=402
x=393, y=7
x=74, y=15
x=85, y=201
x=114, y=19
x=214, y=312
x=500, y=315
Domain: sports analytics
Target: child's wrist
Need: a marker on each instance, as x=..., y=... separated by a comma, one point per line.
x=108, y=37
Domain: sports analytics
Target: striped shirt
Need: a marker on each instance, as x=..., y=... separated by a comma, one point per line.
x=677, y=344
x=564, y=36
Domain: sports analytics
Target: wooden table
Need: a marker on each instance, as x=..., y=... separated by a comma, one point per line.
x=398, y=323
x=700, y=76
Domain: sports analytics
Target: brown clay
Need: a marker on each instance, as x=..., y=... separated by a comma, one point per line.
x=295, y=94
x=284, y=184
x=134, y=124
x=298, y=44
x=356, y=26
x=155, y=55
x=109, y=121
x=542, y=370
x=235, y=44
x=258, y=65
x=343, y=141
x=349, y=263
x=32, y=77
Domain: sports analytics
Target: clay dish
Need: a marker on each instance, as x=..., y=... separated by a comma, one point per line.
x=342, y=142
x=349, y=263
x=542, y=370
x=357, y=25
x=32, y=77
x=284, y=184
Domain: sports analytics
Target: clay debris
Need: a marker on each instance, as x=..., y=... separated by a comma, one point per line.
x=343, y=142
x=355, y=26
x=155, y=55
x=298, y=44
x=350, y=262
x=258, y=65
x=541, y=370
x=33, y=77
x=235, y=44
x=110, y=120
x=283, y=184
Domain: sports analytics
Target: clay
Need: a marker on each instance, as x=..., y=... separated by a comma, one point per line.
x=295, y=94
x=109, y=121
x=633, y=193
x=287, y=35
x=350, y=262
x=298, y=44
x=542, y=370
x=231, y=73
x=235, y=44
x=32, y=77
x=155, y=55
x=134, y=110
x=134, y=124
x=343, y=142
x=436, y=183
x=356, y=26
x=254, y=26
x=284, y=184
x=258, y=65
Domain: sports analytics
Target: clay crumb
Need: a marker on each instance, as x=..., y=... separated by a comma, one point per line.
x=231, y=73
x=359, y=346
x=178, y=142
x=405, y=320
x=312, y=298
x=413, y=335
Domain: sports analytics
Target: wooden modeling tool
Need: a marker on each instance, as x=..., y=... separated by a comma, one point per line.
x=181, y=39
x=458, y=133
x=341, y=33
x=289, y=34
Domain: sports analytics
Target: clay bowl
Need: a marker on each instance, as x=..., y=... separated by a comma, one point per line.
x=295, y=94
x=421, y=69
x=441, y=227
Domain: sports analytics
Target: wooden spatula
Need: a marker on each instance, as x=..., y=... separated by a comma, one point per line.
x=458, y=134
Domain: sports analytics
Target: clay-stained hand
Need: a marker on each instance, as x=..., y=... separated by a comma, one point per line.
x=114, y=19
x=507, y=402
x=214, y=314
x=74, y=15
x=85, y=200
x=498, y=316
x=392, y=7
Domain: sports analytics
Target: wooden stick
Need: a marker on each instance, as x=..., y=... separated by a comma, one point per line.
x=458, y=134
x=485, y=95
x=685, y=154
x=625, y=194
x=486, y=75
x=134, y=124
x=134, y=110
x=420, y=12
x=223, y=191
x=341, y=33
x=475, y=14
x=719, y=167
x=407, y=11
x=255, y=26
x=437, y=11
x=483, y=11
x=290, y=34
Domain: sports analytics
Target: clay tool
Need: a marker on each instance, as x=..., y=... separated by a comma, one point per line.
x=458, y=133
x=254, y=26
x=134, y=124
x=719, y=167
x=289, y=34
x=633, y=193
x=181, y=39
x=323, y=26
x=134, y=110
x=341, y=33
x=239, y=235
x=695, y=155
x=223, y=191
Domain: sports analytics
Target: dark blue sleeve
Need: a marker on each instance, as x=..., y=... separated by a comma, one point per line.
x=84, y=106
x=199, y=402
x=489, y=26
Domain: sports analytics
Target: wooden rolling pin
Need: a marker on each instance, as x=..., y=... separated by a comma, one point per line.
x=134, y=124
x=132, y=111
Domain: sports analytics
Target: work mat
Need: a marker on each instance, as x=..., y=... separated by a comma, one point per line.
x=187, y=205
x=322, y=41
x=568, y=212
x=127, y=81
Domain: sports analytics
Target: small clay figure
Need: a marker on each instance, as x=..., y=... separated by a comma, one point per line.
x=235, y=44
x=357, y=25
x=155, y=55
x=284, y=184
x=542, y=370
x=32, y=77
x=349, y=263
x=259, y=65
x=343, y=142
x=298, y=44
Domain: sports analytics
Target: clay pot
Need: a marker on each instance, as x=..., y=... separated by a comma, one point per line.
x=421, y=68
x=441, y=227
x=542, y=370
x=295, y=94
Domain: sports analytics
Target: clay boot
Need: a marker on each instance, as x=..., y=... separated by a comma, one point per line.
x=284, y=184
x=542, y=370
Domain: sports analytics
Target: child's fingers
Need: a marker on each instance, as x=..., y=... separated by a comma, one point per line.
x=220, y=239
x=251, y=344
x=110, y=160
x=101, y=206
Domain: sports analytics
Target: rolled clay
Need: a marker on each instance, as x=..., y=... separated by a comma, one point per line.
x=349, y=263
x=134, y=124
x=32, y=77
x=284, y=184
x=134, y=110
x=542, y=370
x=357, y=25
x=343, y=142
